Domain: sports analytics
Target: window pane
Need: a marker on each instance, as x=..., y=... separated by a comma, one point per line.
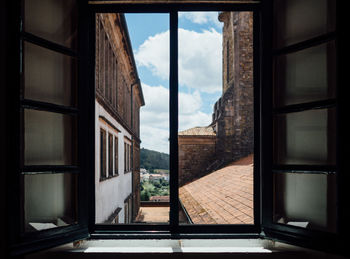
x=50, y=201
x=304, y=76
x=52, y=20
x=216, y=118
x=49, y=138
x=306, y=137
x=132, y=103
x=298, y=20
x=305, y=200
x=49, y=76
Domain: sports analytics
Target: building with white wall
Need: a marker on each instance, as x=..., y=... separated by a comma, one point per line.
x=117, y=107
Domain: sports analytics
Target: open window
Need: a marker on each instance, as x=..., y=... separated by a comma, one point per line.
x=48, y=169
x=300, y=170
x=298, y=175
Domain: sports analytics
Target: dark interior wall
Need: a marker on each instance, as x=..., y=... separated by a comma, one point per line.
x=3, y=84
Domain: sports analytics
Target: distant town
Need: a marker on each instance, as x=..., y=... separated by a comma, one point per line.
x=154, y=181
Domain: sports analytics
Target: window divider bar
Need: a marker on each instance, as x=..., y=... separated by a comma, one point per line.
x=305, y=44
x=48, y=44
x=43, y=106
x=305, y=169
x=49, y=169
x=305, y=106
x=173, y=102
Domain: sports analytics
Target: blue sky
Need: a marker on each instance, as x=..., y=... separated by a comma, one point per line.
x=200, y=65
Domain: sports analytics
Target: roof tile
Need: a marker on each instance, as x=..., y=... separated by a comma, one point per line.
x=224, y=196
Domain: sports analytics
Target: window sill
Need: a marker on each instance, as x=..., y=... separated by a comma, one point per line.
x=107, y=178
x=209, y=248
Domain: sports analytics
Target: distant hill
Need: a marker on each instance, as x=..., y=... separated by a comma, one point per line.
x=150, y=160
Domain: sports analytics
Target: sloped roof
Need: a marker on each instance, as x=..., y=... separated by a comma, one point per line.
x=198, y=131
x=224, y=196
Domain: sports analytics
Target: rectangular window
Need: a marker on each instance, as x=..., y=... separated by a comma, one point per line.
x=49, y=201
x=131, y=93
x=125, y=158
x=305, y=116
x=57, y=77
x=212, y=155
x=103, y=151
x=116, y=162
x=49, y=149
x=49, y=138
x=216, y=120
x=110, y=155
x=129, y=157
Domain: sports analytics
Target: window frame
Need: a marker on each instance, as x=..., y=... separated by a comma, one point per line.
x=174, y=228
x=316, y=239
x=19, y=242
x=262, y=103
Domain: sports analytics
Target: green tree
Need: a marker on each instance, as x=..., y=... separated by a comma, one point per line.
x=145, y=195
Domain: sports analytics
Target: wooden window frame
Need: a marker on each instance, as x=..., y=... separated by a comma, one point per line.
x=263, y=54
x=174, y=227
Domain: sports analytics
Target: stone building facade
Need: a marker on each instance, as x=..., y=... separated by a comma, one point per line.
x=197, y=147
x=118, y=101
x=233, y=114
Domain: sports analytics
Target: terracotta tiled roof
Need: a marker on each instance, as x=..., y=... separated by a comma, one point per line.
x=224, y=196
x=198, y=131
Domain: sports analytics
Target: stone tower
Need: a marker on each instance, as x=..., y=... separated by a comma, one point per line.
x=233, y=116
x=230, y=136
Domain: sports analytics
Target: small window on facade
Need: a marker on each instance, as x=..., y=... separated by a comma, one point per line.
x=116, y=155
x=102, y=154
x=110, y=155
x=125, y=159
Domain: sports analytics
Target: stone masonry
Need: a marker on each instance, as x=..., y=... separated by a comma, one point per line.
x=197, y=149
x=233, y=115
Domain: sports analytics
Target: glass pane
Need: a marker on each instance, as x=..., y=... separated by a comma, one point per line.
x=305, y=76
x=49, y=138
x=52, y=20
x=49, y=76
x=50, y=201
x=135, y=111
x=216, y=118
x=298, y=20
x=305, y=200
x=306, y=137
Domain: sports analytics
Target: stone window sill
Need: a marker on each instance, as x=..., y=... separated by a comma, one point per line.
x=208, y=248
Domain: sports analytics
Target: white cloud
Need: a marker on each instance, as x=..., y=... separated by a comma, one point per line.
x=154, y=116
x=202, y=18
x=154, y=54
x=198, y=119
x=200, y=58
